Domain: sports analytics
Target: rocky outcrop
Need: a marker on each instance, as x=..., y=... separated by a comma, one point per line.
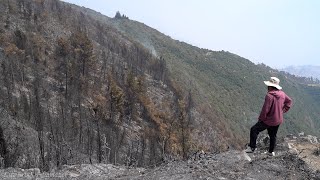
x=306, y=147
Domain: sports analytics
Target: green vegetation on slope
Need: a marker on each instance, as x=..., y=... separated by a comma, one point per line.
x=227, y=88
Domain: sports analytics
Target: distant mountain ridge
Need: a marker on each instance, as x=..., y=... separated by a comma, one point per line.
x=304, y=70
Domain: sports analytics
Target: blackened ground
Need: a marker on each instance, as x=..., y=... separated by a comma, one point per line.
x=296, y=158
x=228, y=165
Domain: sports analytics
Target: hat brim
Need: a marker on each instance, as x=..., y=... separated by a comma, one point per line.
x=268, y=83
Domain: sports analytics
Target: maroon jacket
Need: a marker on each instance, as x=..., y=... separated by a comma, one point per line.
x=275, y=104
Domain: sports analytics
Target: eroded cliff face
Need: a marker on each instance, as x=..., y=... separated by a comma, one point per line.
x=297, y=157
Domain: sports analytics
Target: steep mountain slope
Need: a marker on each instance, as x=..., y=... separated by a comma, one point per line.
x=86, y=92
x=227, y=89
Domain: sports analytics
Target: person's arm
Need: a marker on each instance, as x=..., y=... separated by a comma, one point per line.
x=287, y=104
x=266, y=107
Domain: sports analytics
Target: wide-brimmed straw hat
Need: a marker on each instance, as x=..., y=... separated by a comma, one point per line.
x=274, y=82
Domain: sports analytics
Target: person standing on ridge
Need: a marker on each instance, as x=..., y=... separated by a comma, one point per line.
x=271, y=116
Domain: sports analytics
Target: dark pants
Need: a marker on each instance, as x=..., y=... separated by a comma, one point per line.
x=257, y=128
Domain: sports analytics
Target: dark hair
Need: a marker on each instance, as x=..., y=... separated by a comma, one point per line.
x=273, y=88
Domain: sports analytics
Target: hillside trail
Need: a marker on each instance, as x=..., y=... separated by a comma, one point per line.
x=296, y=158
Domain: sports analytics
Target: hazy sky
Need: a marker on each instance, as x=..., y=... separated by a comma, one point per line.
x=275, y=32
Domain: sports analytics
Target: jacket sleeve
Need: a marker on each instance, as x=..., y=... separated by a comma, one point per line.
x=287, y=104
x=266, y=107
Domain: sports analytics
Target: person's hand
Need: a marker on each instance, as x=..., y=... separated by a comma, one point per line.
x=285, y=109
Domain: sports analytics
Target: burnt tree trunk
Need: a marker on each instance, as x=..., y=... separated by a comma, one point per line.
x=3, y=147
